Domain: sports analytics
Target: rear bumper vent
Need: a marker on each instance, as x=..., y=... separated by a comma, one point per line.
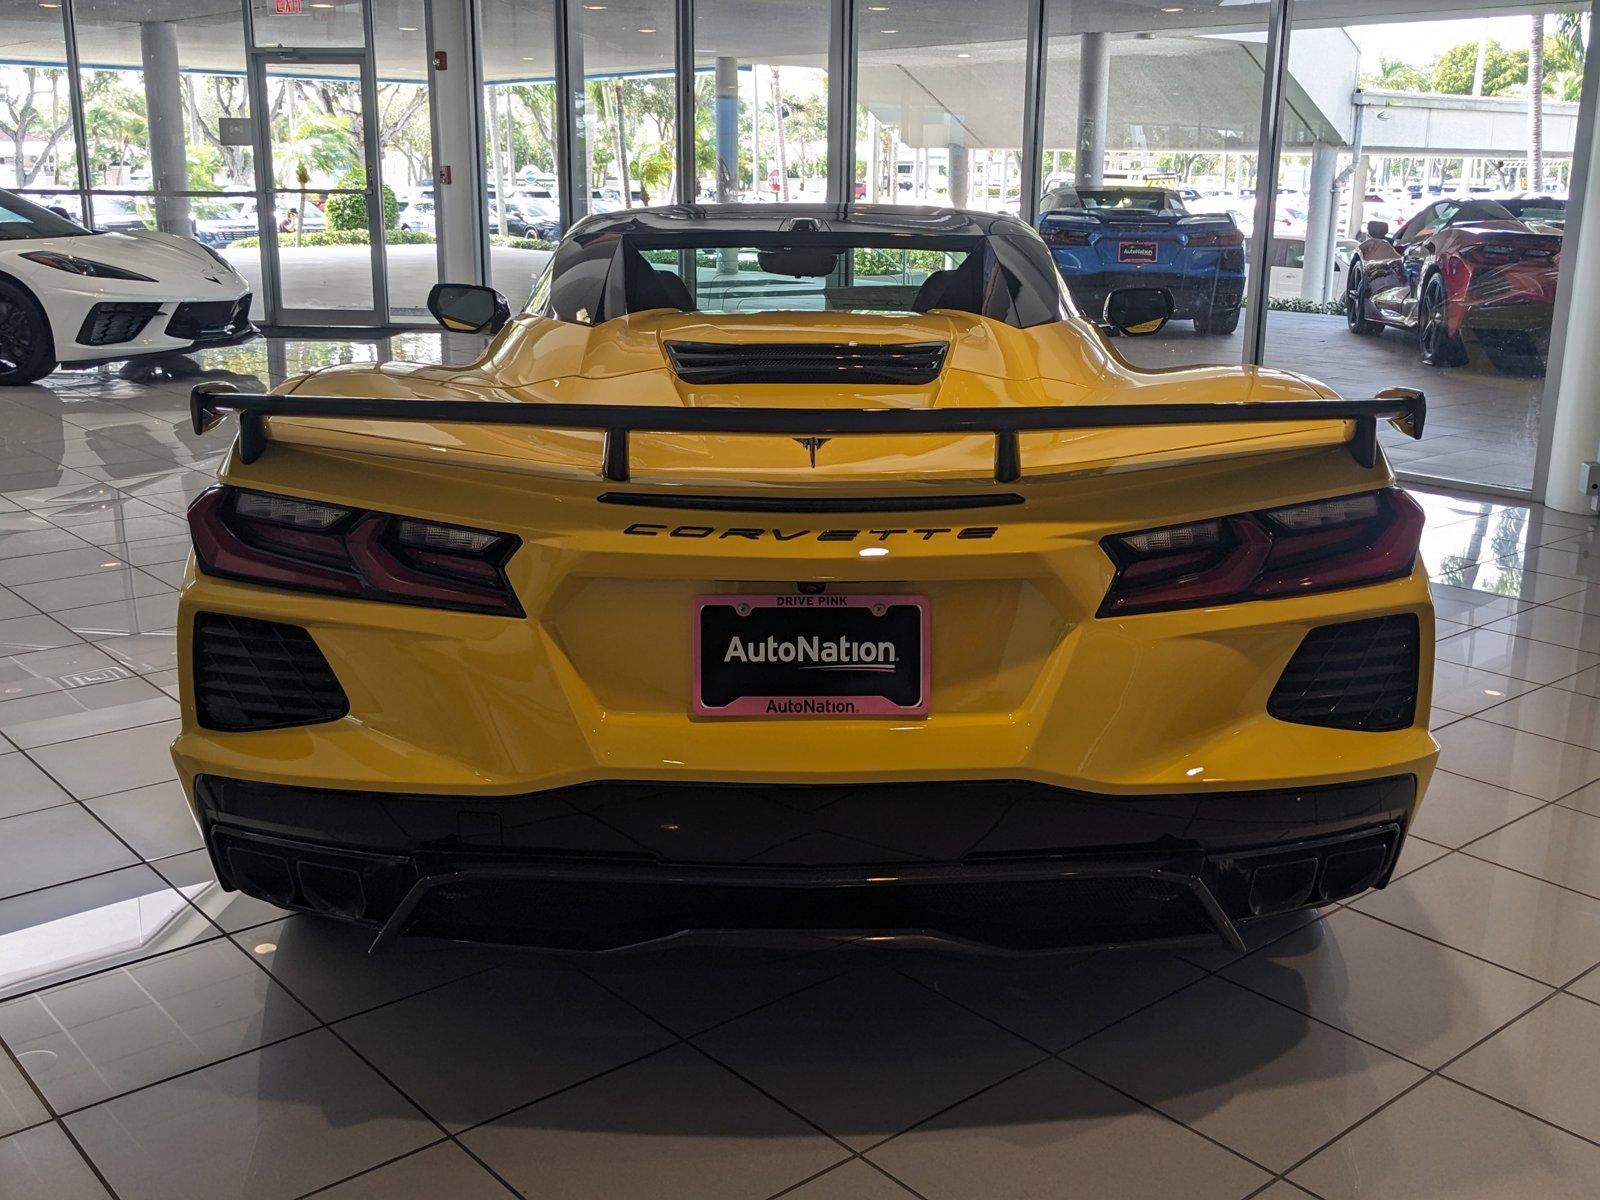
x=251, y=675
x=1355, y=675
x=815, y=362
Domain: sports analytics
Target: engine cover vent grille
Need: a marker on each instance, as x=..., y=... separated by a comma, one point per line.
x=1355, y=675
x=813, y=362
x=251, y=674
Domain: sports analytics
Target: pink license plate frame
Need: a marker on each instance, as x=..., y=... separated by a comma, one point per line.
x=762, y=706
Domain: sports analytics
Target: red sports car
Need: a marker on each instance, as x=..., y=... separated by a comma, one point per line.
x=1459, y=266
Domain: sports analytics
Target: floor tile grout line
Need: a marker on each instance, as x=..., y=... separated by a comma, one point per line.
x=790, y=1189
x=324, y=1188
x=1440, y=942
x=88, y=1161
x=1421, y=1066
x=1462, y=850
x=1056, y=1056
x=1434, y=1073
x=105, y=732
x=396, y=1088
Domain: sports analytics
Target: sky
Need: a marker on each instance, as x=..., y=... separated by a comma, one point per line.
x=1423, y=41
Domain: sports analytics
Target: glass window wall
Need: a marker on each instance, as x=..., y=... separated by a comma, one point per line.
x=940, y=95
x=761, y=100
x=1151, y=128
x=1421, y=213
x=38, y=146
x=405, y=132
x=519, y=140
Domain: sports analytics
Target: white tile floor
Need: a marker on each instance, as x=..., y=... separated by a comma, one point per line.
x=162, y=1040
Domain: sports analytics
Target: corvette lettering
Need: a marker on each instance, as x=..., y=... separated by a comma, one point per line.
x=753, y=534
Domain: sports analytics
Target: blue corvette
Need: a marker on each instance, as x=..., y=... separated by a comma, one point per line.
x=1113, y=237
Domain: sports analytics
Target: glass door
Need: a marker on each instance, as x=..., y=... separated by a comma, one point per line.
x=319, y=208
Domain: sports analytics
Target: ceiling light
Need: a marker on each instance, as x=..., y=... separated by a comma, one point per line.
x=963, y=54
x=647, y=31
x=872, y=552
x=594, y=8
x=408, y=29
x=888, y=31
x=49, y=6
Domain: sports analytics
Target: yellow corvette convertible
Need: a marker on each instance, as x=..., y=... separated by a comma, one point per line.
x=804, y=568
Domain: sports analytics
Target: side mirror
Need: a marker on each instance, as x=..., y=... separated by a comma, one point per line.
x=468, y=308
x=1138, y=312
x=1377, y=229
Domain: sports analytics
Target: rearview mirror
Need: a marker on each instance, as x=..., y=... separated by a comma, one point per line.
x=1138, y=312
x=468, y=308
x=1377, y=229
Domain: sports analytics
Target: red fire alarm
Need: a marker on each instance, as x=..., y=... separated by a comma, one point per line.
x=440, y=61
x=444, y=174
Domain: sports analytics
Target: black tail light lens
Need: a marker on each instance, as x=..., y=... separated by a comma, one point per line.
x=309, y=546
x=1342, y=542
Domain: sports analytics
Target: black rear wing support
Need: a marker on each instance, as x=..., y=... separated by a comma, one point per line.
x=1404, y=408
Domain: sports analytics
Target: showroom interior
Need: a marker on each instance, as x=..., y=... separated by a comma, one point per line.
x=165, y=1037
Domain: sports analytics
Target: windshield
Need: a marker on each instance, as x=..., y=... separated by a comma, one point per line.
x=1482, y=210
x=863, y=279
x=1155, y=201
x=21, y=218
x=1536, y=210
x=741, y=264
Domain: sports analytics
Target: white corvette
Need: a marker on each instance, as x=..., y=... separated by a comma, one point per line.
x=77, y=298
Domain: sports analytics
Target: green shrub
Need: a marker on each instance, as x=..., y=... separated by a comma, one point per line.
x=1331, y=308
x=520, y=243
x=348, y=210
x=342, y=237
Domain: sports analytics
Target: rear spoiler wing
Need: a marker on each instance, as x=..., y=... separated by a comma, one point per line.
x=1404, y=408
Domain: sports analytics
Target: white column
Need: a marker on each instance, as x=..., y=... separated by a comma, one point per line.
x=1320, y=211
x=1575, y=425
x=163, y=99
x=454, y=92
x=956, y=172
x=725, y=121
x=1094, y=90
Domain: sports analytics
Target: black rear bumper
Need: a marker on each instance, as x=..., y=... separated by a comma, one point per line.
x=1008, y=864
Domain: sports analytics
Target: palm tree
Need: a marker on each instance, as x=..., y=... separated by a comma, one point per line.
x=1536, y=104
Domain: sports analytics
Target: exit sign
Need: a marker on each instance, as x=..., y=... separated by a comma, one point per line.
x=288, y=8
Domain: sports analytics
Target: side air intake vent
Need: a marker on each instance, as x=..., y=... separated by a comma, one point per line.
x=1356, y=675
x=815, y=362
x=251, y=674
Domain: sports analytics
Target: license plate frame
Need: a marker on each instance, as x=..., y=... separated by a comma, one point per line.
x=1137, y=253
x=853, y=682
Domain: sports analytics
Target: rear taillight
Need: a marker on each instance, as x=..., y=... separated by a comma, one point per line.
x=1489, y=255
x=309, y=546
x=1231, y=237
x=1337, y=543
x=1065, y=235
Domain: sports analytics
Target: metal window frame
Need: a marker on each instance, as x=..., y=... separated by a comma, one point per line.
x=80, y=124
x=1566, y=284
x=1036, y=80
x=684, y=81
x=471, y=166
x=572, y=139
x=1275, y=69
x=843, y=64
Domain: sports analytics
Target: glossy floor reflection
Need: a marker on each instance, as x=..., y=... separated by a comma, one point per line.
x=163, y=1040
